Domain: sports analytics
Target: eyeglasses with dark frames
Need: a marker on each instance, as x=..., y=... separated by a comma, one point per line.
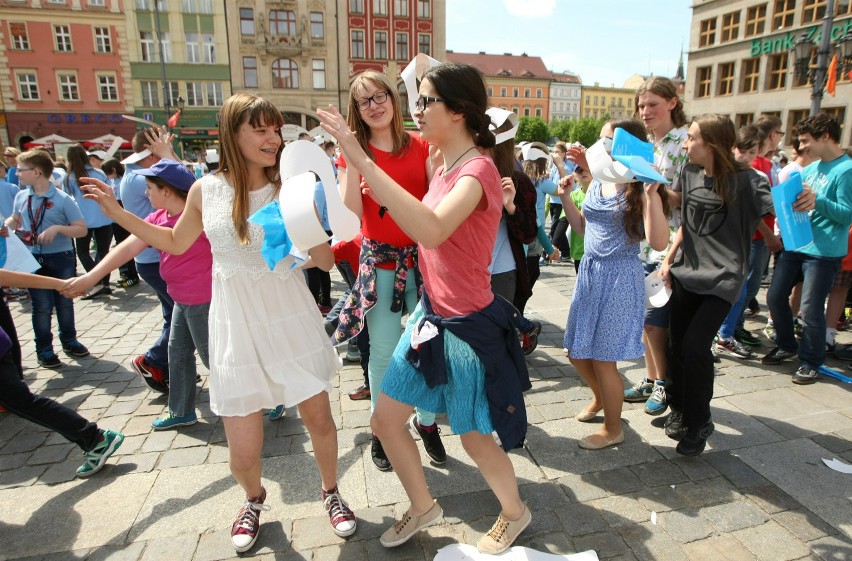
x=378, y=98
x=425, y=100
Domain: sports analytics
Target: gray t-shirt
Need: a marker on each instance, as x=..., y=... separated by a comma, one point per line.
x=713, y=258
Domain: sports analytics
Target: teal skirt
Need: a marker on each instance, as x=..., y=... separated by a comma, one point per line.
x=462, y=398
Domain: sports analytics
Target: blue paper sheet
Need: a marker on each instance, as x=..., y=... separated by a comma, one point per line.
x=637, y=155
x=276, y=243
x=795, y=226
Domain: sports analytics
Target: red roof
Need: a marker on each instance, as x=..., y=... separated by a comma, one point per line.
x=505, y=65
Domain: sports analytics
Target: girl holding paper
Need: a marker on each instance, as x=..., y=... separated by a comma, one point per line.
x=388, y=276
x=605, y=320
x=267, y=342
x=474, y=350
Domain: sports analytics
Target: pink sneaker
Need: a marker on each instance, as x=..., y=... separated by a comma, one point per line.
x=342, y=518
x=247, y=525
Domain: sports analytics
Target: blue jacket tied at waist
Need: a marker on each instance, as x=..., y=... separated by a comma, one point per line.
x=492, y=336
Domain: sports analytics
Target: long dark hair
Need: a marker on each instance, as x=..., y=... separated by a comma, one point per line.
x=634, y=223
x=719, y=135
x=78, y=158
x=462, y=88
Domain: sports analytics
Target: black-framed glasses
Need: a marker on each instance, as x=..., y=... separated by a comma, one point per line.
x=425, y=100
x=378, y=98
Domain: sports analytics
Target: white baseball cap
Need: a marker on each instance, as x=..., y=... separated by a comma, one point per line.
x=136, y=157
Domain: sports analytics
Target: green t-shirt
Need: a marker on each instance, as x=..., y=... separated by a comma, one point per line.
x=576, y=240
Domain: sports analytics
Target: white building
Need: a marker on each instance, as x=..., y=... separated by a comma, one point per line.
x=565, y=95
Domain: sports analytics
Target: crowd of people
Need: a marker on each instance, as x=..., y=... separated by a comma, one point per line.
x=453, y=233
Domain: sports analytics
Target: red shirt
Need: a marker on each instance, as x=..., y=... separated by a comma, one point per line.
x=348, y=251
x=764, y=165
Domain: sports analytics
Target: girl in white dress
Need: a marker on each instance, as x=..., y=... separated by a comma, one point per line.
x=267, y=341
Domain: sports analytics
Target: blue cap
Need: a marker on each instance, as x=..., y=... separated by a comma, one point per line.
x=172, y=172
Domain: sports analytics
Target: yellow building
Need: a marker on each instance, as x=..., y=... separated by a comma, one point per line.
x=597, y=101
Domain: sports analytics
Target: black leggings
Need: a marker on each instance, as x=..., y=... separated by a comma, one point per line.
x=103, y=239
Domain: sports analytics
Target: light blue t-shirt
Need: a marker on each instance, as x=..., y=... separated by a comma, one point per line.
x=136, y=202
x=502, y=259
x=542, y=187
x=8, y=192
x=322, y=206
x=832, y=215
x=12, y=175
x=57, y=208
x=92, y=213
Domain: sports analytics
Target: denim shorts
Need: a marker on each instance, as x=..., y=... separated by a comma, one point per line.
x=658, y=317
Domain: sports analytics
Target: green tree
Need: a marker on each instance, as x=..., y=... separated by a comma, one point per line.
x=532, y=129
x=586, y=130
x=560, y=128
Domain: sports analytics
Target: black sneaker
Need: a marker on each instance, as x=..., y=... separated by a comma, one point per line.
x=431, y=438
x=746, y=337
x=49, y=360
x=777, y=356
x=379, y=457
x=529, y=339
x=695, y=440
x=675, y=429
x=97, y=293
x=75, y=348
x=804, y=376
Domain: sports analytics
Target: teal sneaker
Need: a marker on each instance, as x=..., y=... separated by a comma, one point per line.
x=97, y=456
x=277, y=414
x=640, y=392
x=171, y=421
x=656, y=404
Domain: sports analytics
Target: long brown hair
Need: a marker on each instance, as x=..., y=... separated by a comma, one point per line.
x=238, y=109
x=634, y=223
x=719, y=135
x=360, y=126
x=78, y=158
x=666, y=89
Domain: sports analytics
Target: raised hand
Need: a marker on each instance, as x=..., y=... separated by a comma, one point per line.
x=101, y=193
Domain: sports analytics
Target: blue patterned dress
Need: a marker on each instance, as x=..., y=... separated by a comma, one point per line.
x=608, y=307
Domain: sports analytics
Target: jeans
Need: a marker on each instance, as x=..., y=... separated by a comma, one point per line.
x=188, y=333
x=818, y=274
x=385, y=329
x=158, y=354
x=128, y=270
x=59, y=265
x=16, y=396
x=731, y=321
x=103, y=239
x=695, y=319
x=758, y=259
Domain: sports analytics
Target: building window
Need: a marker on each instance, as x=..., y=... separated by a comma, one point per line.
x=490, y=91
x=356, y=6
x=527, y=92
x=147, y=5
x=424, y=43
x=20, y=40
x=250, y=71
x=282, y=22
x=193, y=49
x=214, y=94
x=502, y=92
x=538, y=92
x=400, y=9
x=285, y=74
x=146, y=44
x=777, y=72
x=538, y=111
x=103, y=41
x=784, y=12
x=318, y=67
x=107, y=87
x=726, y=79
x=62, y=38
x=96, y=3
x=208, y=48
x=743, y=119
x=150, y=94
x=750, y=74
x=68, y=90
x=194, y=94
x=246, y=21
x=703, y=81
x=813, y=10
x=172, y=93
x=794, y=117
x=380, y=45
x=755, y=20
x=424, y=9
x=402, y=46
x=380, y=7
x=197, y=6
x=526, y=111
x=317, y=25
x=707, y=35
x=515, y=92
x=730, y=27
x=356, y=44
x=27, y=86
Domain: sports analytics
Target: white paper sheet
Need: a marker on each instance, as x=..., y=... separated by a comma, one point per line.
x=464, y=552
x=603, y=168
x=297, y=207
x=303, y=156
x=18, y=256
x=836, y=465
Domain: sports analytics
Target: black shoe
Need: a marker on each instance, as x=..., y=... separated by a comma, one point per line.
x=431, y=441
x=777, y=356
x=75, y=348
x=695, y=440
x=101, y=291
x=675, y=429
x=379, y=457
x=49, y=360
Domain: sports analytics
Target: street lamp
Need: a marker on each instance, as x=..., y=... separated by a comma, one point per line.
x=802, y=53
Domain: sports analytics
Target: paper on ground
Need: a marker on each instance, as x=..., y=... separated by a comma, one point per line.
x=836, y=465
x=18, y=257
x=464, y=552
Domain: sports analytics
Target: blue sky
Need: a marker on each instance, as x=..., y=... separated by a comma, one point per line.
x=603, y=41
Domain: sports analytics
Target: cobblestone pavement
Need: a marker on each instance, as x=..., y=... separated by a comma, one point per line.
x=760, y=491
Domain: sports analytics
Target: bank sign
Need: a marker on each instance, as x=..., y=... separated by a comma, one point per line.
x=788, y=41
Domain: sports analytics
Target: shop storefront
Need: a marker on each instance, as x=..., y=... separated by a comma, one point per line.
x=25, y=126
x=196, y=132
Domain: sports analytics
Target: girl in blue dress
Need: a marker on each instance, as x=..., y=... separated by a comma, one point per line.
x=608, y=307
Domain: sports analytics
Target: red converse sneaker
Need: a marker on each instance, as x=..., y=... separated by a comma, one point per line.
x=342, y=518
x=246, y=526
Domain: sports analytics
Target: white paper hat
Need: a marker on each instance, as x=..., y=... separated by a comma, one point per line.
x=211, y=156
x=534, y=151
x=656, y=291
x=136, y=157
x=498, y=119
x=411, y=75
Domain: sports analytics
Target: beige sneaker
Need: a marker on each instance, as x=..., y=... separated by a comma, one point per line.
x=402, y=531
x=504, y=533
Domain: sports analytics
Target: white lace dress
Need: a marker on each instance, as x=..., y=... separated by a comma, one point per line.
x=267, y=341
